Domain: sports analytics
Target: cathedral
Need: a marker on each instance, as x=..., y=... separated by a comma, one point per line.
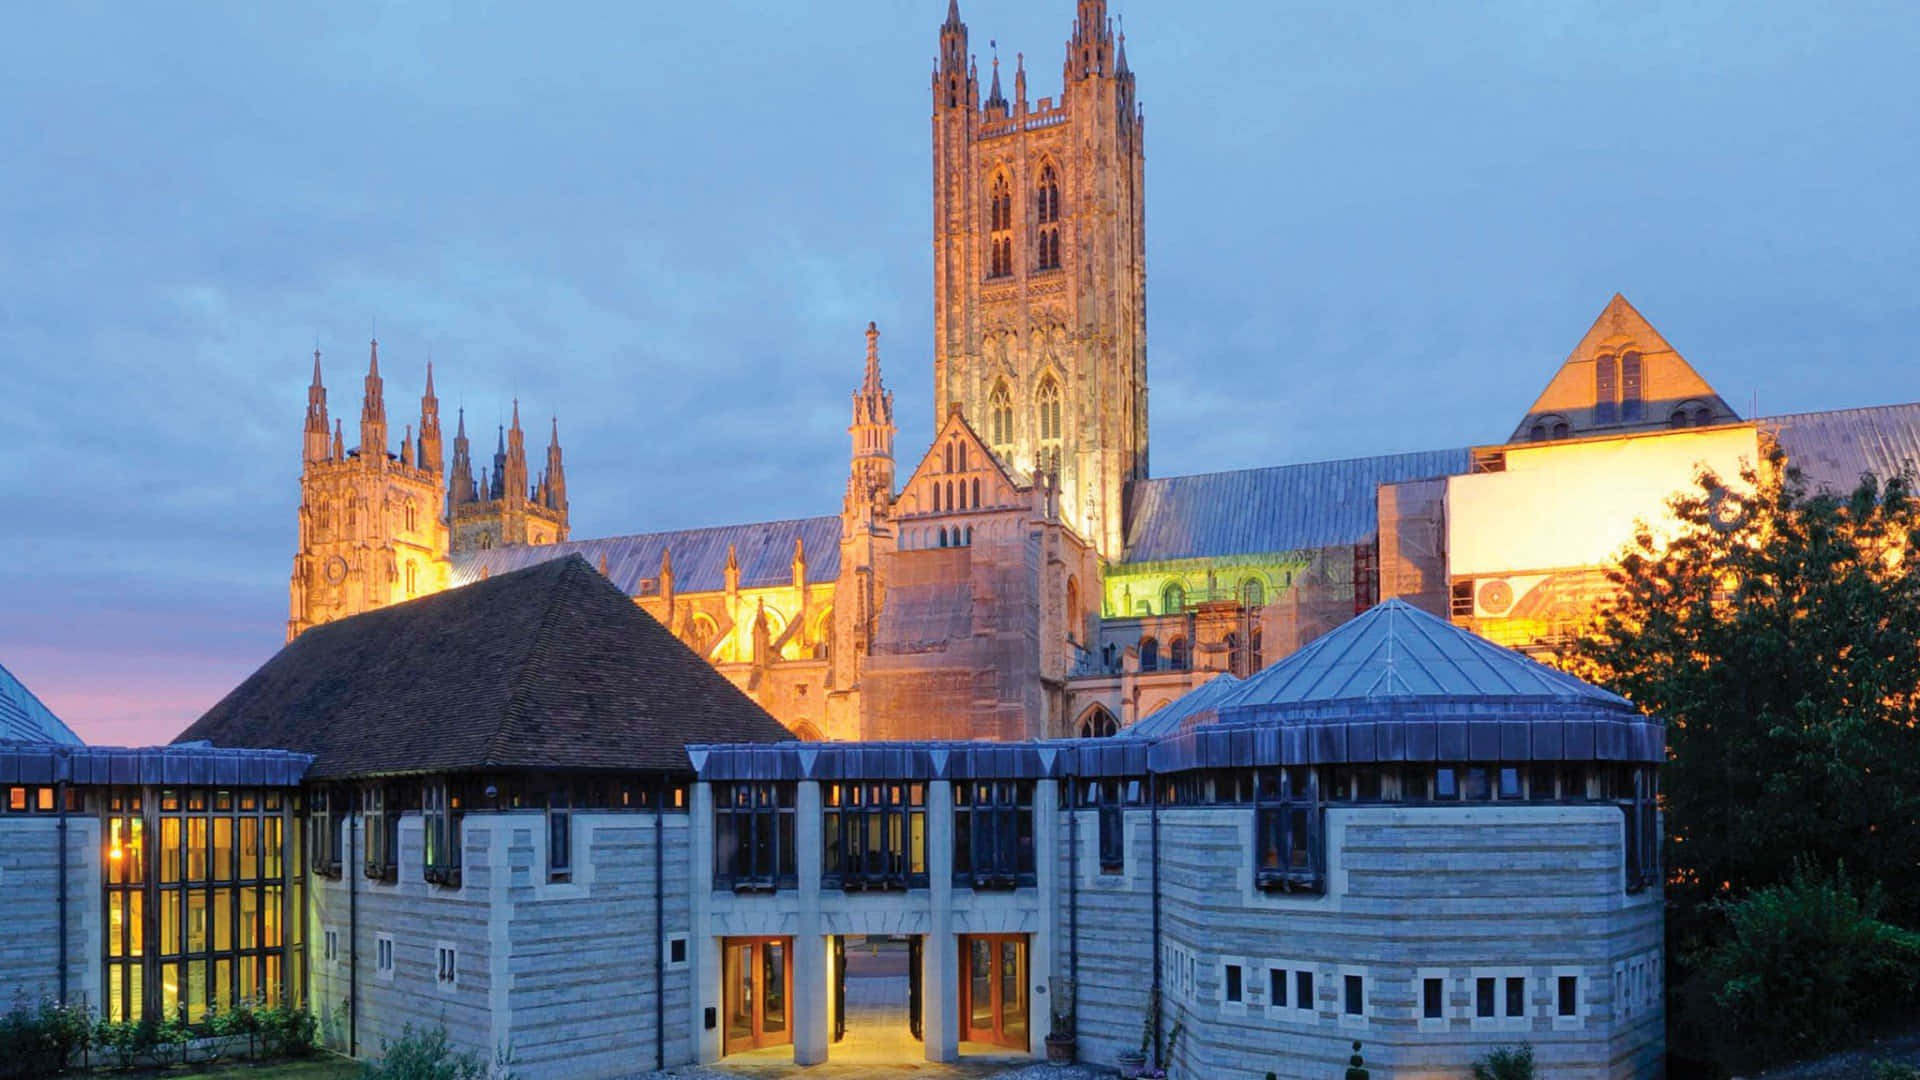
x=1026, y=576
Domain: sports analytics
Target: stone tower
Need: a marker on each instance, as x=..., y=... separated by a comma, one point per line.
x=865, y=530
x=505, y=508
x=1040, y=269
x=371, y=533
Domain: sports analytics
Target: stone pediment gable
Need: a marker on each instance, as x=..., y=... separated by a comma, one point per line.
x=958, y=474
x=1622, y=376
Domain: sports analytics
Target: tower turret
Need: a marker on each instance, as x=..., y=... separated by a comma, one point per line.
x=429, y=456
x=499, y=473
x=516, y=467
x=317, y=448
x=373, y=410
x=553, y=483
x=460, y=489
x=870, y=479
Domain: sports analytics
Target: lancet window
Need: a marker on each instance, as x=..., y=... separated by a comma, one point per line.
x=1047, y=417
x=1048, y=207
x=1000, y=227
x=1000, y=420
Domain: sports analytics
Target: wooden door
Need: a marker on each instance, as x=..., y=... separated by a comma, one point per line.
x=993, y=989
x=757, y=976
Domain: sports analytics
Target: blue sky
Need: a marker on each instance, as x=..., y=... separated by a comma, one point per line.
x=1371, y=228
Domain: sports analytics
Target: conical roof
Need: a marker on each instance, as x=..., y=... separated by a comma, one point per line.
x=1395, y=652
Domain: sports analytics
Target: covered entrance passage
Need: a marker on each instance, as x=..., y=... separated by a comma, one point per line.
x=876, y=1007
x=757, y=974
x=993, y=990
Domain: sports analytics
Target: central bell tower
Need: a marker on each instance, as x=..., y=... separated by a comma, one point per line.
x=1040, y=268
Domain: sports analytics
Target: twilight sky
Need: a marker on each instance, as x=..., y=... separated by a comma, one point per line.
x=1371, y=228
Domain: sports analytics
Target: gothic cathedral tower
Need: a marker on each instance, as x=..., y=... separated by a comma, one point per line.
x=371, y=533
x=1040, y=269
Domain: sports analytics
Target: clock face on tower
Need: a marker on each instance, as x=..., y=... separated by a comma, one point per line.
x=337, y=569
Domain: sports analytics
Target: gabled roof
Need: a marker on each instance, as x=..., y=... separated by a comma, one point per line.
x=765, y=551
x=24, y=719
x=1279, y=508
x=1667, y=381
x=1833, y=448
x=550, y=667
x=1396, y=654
x=956, y=427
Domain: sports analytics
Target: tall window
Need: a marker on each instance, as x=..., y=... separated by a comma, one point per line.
x=1630, y=403
x=1048, y=238
x=1000, y=227
x=753, y=836
x=993, y=833
x=559, y=834
x=1286, y=825
x=1000, y=420
x=1149, y=654
x=1074, y=618
x=413, y=581
x=1236, y=655
x=326, y=825
x=1109, y=796
x=1047, y=417
x=380, y=808
x=440, y=811
x=1177, y=654
x=1606, y=390
x=1173, y=599
x=875, y=835
x=1252, y=593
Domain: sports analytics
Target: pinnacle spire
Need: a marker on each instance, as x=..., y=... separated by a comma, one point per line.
x=996, y=99
x=871, y=385
x=462, y=433
x=429, y=378
x=953, y=14
x=316, y=367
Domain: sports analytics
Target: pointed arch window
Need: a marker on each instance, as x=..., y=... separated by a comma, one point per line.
x=1149, y=654
x=1177, y=654
x=1632, y=408
x=1000, y=227
x=1606, y=390
x=1047, y=423
x=1048, y=206
x=1173, y=599
x=1000, y=419
x=1253, y=594
x=1099, y=724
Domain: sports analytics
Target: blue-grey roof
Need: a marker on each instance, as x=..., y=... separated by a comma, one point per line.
x=1281, y=508
x=1172, y=716
x=1395, y=654
x=186, y=763
x=1833, y=448
x=23, y=718
x=765, y=551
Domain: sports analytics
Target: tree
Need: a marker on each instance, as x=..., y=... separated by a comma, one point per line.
x=1776, y=629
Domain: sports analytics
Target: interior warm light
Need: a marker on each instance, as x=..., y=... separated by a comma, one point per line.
x=113, y=852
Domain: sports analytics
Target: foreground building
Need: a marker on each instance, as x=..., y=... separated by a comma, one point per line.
x=525, y=811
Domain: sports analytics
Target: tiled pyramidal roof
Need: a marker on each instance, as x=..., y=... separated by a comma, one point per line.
x=24, y=719
x=1175, y=714
x=550, y=667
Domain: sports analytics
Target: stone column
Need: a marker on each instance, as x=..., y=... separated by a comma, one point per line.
x=703, y=948
x=811, y=989
x=939, y=954
x=1047, y=869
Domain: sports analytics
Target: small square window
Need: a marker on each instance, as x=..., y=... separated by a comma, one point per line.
x=1233, y=982
x=1446, y=784
x=1433, y=996
x=677, y=951
x=1569, y=997
x=1483, y=997
x=1477, y=786
x=1516, y=996
x=1303, y=989
x=1510, y=783
x=1277, y=987
x=1355, y=995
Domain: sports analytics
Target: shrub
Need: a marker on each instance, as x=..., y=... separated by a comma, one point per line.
x=1506, y=1063
x=1894, y=1070
x=39, y=1040
x=423, y=1054
x=1803, y=967
x=285, y=1030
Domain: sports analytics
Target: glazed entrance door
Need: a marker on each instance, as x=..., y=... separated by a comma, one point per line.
x=993, y=989
x=758, y=980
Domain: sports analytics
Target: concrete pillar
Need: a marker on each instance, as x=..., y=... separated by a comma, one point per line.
x=1040, y=956
x=811, y=990
x=703, y=948
x=939, y=954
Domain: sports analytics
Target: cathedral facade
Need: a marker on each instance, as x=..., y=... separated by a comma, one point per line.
x=1026, y=576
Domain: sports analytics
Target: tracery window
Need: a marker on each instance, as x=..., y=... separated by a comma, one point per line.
x=875, y=835
x=1000, y=227
x=1047, y=417
x=1099, y=724
x=1000, y=419
x=1048, y=238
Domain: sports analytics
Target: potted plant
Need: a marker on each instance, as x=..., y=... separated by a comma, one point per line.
x=1357, y=1065
x=1060, y=1037
x=1134, y=1062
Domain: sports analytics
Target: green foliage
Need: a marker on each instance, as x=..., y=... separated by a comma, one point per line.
x=1506, y=1063
x=1778, y=634
x=40, y=1039
x=1894, y=1070
x=285, y=1031
x=424, y=1054
x=1803, y=966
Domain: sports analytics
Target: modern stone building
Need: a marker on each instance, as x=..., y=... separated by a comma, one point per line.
x=523, y=810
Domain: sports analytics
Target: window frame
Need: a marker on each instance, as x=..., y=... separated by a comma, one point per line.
x=993, y=834
x=851, y=813
x=1289, y=843
x=761, y=812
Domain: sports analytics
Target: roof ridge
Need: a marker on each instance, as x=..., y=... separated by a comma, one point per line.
x=1310, y=464
x=536, y=652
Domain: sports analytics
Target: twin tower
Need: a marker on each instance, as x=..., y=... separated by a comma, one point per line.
x=377, y=527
